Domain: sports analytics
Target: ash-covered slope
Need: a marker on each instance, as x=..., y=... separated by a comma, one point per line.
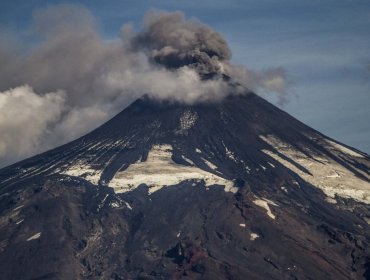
x=235, y=189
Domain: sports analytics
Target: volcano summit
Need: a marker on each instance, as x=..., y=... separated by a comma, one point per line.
x=232, y=189
x=198, y=179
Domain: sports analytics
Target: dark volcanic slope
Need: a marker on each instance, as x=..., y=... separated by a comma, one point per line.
x=230, y=190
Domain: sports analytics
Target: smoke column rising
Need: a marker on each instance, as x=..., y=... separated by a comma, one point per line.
x=73, y=80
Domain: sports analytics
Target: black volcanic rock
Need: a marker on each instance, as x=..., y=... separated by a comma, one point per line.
x=235, y=189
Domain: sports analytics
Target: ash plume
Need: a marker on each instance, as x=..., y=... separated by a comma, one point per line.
x=171, y=40
x=92, y=79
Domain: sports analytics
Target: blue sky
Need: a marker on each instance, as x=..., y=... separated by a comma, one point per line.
x=323, y=45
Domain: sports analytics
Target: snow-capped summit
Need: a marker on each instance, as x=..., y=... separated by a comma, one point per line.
x=231, y=189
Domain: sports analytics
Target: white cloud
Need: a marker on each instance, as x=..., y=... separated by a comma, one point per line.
x=89, y=79
x=24, y=121
x=31, y=122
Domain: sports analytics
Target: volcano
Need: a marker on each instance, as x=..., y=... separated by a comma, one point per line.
x=231, y=189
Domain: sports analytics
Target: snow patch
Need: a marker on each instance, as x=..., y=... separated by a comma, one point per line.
x=101, y=204
x=33, y=237
x=128, y=205
x=19, y=222
x=296, y=184
x=343, y=149
x=253, y=236
x=210, y=164
x=114, y=205
x=187, y=160
x=198, y=151
x=159, y=171
x=187, y=121
x=264, y=203
x=229, y=153
x=325, y=172
x=242, y=225
x=83, y=170
x=18, y=208
x=93, y=146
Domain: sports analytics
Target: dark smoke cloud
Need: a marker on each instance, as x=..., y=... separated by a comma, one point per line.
x=171, y=40
x=73, y=80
